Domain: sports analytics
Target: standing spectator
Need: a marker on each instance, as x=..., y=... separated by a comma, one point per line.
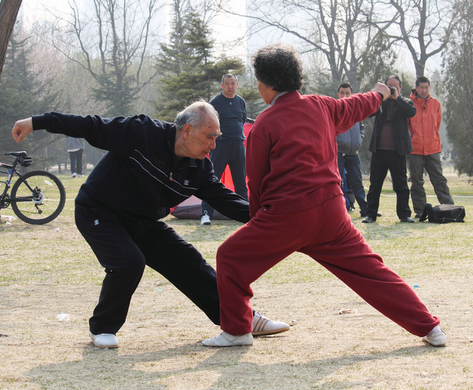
x=230, y=146
x=75, y=147
x=296, y=204
x=390, y=143
x=348, y=144
x=424, y=128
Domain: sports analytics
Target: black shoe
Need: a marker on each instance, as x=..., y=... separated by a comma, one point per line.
x=364, y=215
x=407, y=219
x=368, y=220
x=417, y=215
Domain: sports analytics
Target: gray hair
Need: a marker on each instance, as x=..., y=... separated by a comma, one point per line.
x=194, y=114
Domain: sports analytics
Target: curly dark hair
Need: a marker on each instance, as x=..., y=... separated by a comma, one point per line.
x=278, y=66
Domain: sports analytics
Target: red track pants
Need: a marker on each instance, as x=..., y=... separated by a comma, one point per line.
x=326, y=234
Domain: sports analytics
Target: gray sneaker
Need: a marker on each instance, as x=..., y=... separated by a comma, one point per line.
x=225, y=339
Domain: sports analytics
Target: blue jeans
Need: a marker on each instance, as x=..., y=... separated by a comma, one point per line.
x=352, y=165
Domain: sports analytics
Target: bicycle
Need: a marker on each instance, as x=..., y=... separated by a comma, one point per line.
x=37, y=197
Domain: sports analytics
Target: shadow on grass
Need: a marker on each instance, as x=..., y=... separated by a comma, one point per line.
x=196, y=367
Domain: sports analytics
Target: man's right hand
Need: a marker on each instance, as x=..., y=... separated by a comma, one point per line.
x=383, y=90
x=22, y=128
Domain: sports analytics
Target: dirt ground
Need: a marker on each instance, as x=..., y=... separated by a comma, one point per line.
x=50, y=282
x=160, y=346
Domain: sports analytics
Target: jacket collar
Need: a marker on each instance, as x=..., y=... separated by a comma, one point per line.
x=414, y=96
x=286, y=97
x=185, y=162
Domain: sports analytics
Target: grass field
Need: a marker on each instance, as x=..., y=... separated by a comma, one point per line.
x=50, y=282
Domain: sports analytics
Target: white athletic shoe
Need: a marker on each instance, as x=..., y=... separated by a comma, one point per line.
x=225, y=339
x=205, y=219
x=437, y=338
x=104, y=340
x=264, y=326
x=7, y=219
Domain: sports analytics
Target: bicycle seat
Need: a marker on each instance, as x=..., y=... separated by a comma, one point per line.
x=21, y=153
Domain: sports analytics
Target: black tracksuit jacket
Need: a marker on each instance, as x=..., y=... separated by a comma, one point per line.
x=139, y=178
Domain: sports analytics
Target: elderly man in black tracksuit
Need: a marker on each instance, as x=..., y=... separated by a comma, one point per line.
x=150, y=167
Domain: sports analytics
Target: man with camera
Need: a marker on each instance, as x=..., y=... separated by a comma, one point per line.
x=390, y=144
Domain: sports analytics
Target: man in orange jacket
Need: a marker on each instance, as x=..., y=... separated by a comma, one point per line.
x=424, y=128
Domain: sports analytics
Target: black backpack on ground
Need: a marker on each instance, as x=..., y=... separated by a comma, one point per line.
x=443, y=213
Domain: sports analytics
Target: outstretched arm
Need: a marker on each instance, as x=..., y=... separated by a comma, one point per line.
x=22, y=128
x=117, y=135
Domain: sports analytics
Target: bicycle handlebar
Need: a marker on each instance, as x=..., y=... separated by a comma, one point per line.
x=21, y=153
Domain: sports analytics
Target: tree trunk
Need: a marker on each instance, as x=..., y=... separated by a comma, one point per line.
x=8, y=13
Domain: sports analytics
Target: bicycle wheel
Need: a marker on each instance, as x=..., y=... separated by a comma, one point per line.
x=38, y=197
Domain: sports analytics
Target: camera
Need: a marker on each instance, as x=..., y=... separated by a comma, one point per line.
x=393, y=90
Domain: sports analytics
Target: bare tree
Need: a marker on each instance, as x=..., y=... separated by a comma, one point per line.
x=425, y=27
x=8, y=13
x=457, y=86
x=341, y=30
x=113, y=44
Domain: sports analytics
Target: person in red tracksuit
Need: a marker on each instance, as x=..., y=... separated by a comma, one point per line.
x=296, y=204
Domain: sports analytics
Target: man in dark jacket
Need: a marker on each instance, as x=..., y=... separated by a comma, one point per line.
x=390, y=143
x=150, y=167
x=348, y=144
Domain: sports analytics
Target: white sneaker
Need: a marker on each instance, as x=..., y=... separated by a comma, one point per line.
x=225, y=339
x=74, y=174
x=104, y=340
x=437, y=338
x=264, y=326
x=7, y=219
x=205, y=219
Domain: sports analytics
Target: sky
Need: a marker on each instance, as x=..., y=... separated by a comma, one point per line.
x=37, y=10
x=227, y=30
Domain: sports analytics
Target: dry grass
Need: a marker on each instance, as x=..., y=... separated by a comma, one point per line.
x=49, y=270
